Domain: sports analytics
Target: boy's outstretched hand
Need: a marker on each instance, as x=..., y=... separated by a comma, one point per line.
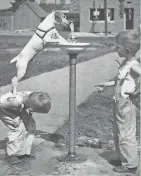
x=101, y=87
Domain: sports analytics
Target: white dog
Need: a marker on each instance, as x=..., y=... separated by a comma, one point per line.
x=45, y=34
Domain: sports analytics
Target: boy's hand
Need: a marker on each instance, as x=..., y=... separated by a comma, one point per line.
x=101, y=87
x=29, y=111
x=21, y=107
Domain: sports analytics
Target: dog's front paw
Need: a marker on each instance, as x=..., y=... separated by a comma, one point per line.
x=14, y=85
x=14, y=91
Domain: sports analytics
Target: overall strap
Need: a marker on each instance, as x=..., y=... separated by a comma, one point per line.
x=125, y=69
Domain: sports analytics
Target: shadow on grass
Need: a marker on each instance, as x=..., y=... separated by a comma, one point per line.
x=110, y=156
x=49, y=137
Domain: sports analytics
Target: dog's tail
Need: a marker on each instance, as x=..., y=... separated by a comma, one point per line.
x=14, y=59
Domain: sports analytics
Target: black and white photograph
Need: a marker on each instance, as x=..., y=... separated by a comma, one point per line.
x=70, y=87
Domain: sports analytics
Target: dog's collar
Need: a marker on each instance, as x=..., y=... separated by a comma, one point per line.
x=45, y=32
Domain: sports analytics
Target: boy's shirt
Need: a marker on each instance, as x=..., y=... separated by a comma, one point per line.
x=11, y=101
x=127, y=82
x=6, y=97
x=12, y=116
x=14, y=103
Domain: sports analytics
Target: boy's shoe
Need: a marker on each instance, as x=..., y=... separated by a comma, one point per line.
x=31, y=157
x=13, y=160
x=115, y=162
x=124, y=169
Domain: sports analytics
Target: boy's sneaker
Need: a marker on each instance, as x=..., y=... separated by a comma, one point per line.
x=124, y=169
x=115, y=162
x=31, y=157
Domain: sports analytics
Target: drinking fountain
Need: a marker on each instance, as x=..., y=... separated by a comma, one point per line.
x=72, y=48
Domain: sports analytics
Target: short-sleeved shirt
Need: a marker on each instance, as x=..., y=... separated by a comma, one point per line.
x=128, y=82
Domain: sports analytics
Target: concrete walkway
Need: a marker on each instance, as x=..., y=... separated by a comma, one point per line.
x=56, y=83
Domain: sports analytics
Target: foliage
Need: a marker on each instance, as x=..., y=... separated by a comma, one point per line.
x=50, y=7
x=121, y=8
x=18, y=3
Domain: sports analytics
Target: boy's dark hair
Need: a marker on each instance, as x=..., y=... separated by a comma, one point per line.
x=129, y=39
x=39, y=102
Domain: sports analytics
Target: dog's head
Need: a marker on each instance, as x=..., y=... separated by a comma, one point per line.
x=60, y=18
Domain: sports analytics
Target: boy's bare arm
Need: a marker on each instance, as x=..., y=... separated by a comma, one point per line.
x=102, y=86
x=137, y=92
x=107, y=84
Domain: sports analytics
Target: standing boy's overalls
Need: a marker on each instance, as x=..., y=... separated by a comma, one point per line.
x=22, y=128
x=124, y=126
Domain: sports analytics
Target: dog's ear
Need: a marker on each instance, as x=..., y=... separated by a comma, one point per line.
x=59, y=16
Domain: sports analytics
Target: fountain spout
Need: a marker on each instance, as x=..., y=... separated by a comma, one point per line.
x=73, y=37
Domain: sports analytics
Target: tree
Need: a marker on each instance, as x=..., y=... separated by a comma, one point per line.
x=16, y=4
x=121, y=8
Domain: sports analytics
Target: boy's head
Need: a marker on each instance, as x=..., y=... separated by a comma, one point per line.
x=128, y=43
x=39, y=102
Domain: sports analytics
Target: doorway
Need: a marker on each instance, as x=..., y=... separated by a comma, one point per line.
x=129, y=18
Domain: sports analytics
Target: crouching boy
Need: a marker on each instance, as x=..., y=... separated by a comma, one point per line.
x=16, y=113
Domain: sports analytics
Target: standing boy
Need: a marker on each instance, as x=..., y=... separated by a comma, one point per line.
x=126, y=93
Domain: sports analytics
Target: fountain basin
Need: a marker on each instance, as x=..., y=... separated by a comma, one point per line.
x=74, y=48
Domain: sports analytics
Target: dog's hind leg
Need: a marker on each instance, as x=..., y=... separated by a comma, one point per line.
x=33, y=47
x=21, y=66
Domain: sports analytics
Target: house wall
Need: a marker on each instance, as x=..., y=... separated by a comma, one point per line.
x=25, y=18
x=75, y=6
x=136, y=6
x=5, y=22
x=113, y=26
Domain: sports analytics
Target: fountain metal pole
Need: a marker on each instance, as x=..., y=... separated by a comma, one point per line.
x=72, y=96
x=72, y=104
x=72, y=49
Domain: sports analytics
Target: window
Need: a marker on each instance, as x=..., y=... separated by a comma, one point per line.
x=1, y=24
x=129, y=3
x=99, y=14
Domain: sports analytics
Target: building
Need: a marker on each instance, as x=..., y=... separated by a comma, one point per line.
x=6, y=20
x=75, y=6
x=92, y=15
x=53, y=1
x=28, y=16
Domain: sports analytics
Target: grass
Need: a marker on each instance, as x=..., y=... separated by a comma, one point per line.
x=44, y=62
x=94, y=118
